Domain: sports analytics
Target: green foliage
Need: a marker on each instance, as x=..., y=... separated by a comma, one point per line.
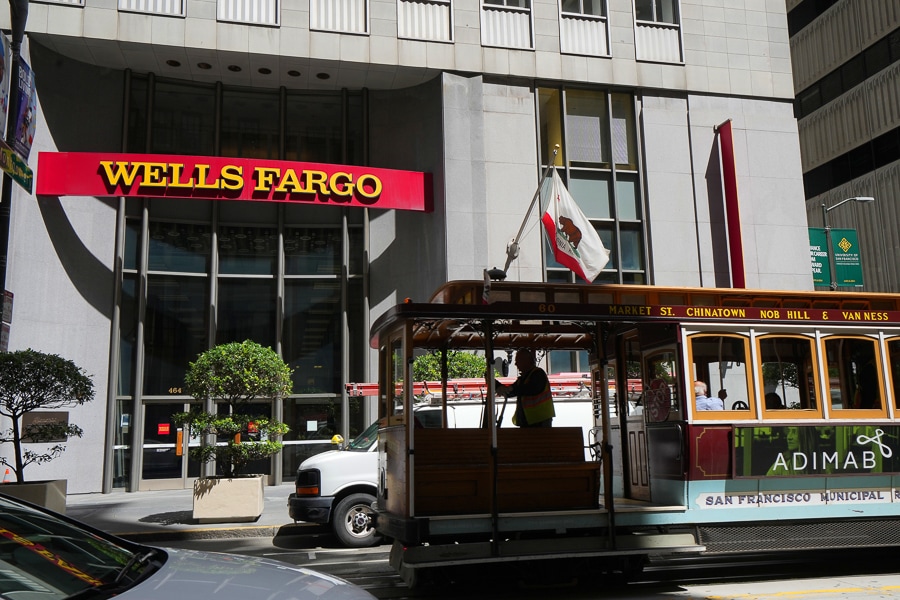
x=780, y=373
x=459, y=364
x=235, y=373
x=31, y=381
x=258, y=438
x=238, y=372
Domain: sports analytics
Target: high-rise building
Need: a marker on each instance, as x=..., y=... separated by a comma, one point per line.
x=846, y=62
x=217, y=170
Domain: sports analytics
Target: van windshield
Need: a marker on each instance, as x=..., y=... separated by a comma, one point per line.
x=365, y=440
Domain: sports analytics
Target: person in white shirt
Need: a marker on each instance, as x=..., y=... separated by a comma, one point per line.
x=704, y=402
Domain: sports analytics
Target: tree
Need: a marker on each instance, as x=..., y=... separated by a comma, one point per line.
x=31, y=381
x=459, y=364
x=235, y=374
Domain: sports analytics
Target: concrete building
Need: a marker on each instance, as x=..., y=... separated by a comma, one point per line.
x=468, y=96
x=846, y=61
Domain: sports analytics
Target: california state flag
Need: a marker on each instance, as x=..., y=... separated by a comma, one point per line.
x=574, y=240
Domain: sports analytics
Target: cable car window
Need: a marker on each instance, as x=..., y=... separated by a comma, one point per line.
x=894, y=360
x=720, y=361
x=788, y=374
x=854, y=379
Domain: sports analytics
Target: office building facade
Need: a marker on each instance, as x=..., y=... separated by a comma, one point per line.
x=468, y=98
x=846, y=61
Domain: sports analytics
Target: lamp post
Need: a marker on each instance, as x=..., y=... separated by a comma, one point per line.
x=825, y=211
x=18, y=11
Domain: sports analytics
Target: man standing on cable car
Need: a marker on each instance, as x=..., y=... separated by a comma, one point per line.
x=534, y=400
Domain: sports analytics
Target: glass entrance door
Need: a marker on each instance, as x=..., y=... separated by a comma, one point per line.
x=164, y=461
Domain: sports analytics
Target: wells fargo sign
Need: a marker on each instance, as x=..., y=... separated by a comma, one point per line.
x=217, y=178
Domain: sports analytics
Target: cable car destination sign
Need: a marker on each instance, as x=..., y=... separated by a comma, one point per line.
x=222, y=178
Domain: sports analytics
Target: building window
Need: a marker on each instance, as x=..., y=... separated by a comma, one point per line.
x=596, y=8
x=657, y=11
x=657, y=34
x=507, y=24
x=597, y=134
x=583, y=27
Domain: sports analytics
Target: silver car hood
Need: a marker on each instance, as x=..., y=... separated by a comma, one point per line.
x=195, y=575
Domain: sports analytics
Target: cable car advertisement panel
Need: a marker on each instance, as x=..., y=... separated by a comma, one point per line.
x=774, y=451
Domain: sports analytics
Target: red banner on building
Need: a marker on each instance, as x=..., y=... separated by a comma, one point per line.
x=732, y=206
x=219, y=178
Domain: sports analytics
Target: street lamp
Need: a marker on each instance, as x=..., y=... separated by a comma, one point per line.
x=825, y=211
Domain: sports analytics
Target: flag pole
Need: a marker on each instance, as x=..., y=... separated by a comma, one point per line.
x=512, y=250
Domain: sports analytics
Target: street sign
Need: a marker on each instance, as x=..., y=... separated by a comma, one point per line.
x=847, y=258
x=818, y=255
x=12, y=164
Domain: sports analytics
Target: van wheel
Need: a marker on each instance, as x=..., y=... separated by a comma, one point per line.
x=352, y=521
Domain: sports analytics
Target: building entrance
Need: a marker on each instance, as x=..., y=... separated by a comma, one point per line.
x=164, y=461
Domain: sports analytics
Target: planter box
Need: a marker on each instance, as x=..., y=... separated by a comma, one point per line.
x=222, y=500
x=49, y=494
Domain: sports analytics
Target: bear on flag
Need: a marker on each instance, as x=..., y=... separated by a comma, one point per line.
x=574, y=240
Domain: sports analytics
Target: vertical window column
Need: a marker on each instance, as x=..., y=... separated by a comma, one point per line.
x=597, y=133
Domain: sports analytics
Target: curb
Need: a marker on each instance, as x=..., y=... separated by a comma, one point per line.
x=213, y=533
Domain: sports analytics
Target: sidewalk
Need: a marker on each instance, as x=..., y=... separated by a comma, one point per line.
x=167, y=515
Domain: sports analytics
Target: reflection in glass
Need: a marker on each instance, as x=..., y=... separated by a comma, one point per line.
x=250, y=124
x=183, y=119
x=853, y=377
x=551, y=125
x=313, y=128
x=660, y=11
x=128, y=322
x=178, y=247
x=312, y=334
x=160, y=459
x=132, y=256
x=624, y=137
x=246, y=311
x=587, y=128
x=584, y=7
x=122, y=445
x=787, y=369
x=894, y=360
x=632, y=249
x=591, y=191
x=312, y=251
x=628, y=198
x=247, y=250
x=175, y=331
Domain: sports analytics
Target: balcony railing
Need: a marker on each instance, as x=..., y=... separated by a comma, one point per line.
x=430, y=20
x=345, y=16
x=506, y=27
x=583, y=34
x=253, y=12
x=657, y=42
x=169, y=8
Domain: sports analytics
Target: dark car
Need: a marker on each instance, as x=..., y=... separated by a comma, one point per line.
x=48, y=556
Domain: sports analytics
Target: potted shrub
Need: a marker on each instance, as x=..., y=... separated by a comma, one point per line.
x=31, y=382
x=233, y=374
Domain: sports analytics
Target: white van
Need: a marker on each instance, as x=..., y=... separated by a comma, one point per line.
x=338, y=487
